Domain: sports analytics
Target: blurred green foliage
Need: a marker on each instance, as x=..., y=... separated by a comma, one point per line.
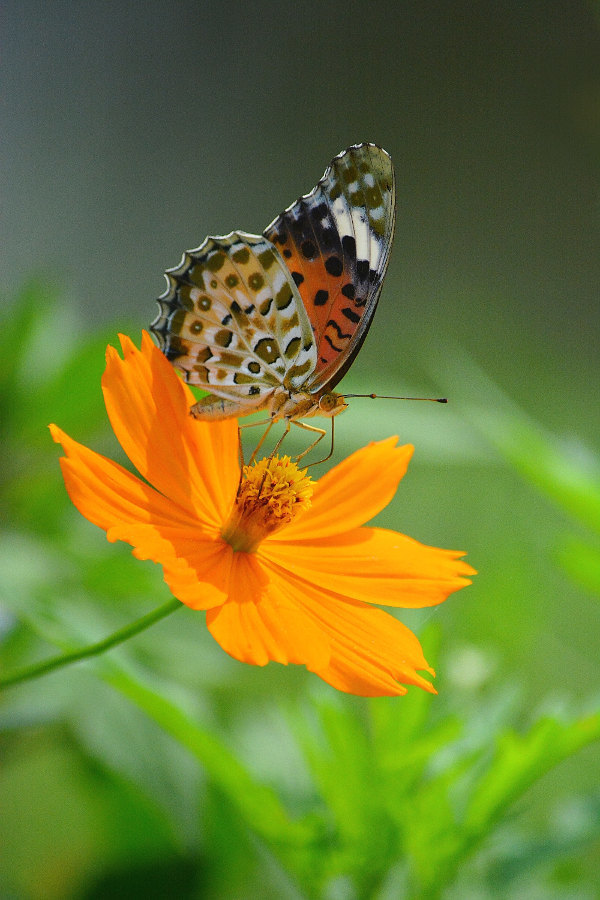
x=166, y=769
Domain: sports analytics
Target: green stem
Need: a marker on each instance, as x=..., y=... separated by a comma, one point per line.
x=65, y=659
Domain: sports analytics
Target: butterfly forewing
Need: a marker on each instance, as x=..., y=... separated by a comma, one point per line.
x=233, y=322
x=336, y=242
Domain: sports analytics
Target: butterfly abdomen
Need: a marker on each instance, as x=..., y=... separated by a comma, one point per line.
x=212, y=407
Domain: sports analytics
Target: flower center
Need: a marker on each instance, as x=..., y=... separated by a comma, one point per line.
x=271, y=493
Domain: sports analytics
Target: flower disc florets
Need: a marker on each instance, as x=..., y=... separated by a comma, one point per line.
x=271, y=493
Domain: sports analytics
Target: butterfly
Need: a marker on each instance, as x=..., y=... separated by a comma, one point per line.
x=273, y=322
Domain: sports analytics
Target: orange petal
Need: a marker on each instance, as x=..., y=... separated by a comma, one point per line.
x=275, y=616
x=262, y=622
x=200, y=575
x=352, y=492
x=194, y=463
x=195, y=561
x=106, y=493
x=374, y=565
x=372, y=653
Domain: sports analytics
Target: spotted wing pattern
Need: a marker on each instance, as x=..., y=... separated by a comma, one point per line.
x=336, y=242
x=233, y=321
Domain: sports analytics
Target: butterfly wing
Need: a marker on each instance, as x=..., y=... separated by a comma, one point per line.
x=233, y=322
x=336, y=242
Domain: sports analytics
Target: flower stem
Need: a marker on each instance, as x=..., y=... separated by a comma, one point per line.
x=28, y=673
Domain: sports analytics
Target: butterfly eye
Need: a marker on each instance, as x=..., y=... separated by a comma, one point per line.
x=327, y=402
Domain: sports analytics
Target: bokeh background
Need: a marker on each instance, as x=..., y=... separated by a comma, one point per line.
x=129, y=132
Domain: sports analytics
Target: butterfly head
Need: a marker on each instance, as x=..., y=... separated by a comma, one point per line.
x=330, y=404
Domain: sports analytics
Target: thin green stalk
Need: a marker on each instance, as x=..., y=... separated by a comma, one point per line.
x=28, y=673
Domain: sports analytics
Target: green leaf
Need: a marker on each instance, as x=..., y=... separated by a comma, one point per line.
x=257, y=803
x=521, y=760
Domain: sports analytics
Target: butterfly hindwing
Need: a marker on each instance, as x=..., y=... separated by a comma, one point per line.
x=336, y=242
x=233, y=322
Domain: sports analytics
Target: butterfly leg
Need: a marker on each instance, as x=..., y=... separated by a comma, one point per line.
x=320, y=432
x=281, y=439
x=268, y=423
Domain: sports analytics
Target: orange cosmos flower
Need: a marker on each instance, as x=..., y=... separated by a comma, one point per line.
x=281, y=564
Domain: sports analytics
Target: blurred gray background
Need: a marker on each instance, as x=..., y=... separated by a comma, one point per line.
x=132, y=130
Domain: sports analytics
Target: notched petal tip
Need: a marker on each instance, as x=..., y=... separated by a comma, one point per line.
x=149, y=345
x=127, y=345
x=56, y=433
x=71, y=447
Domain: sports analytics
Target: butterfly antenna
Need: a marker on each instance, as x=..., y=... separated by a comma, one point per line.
x=382, y=397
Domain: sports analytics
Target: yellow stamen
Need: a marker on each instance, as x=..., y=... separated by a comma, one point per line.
x=271, y=493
